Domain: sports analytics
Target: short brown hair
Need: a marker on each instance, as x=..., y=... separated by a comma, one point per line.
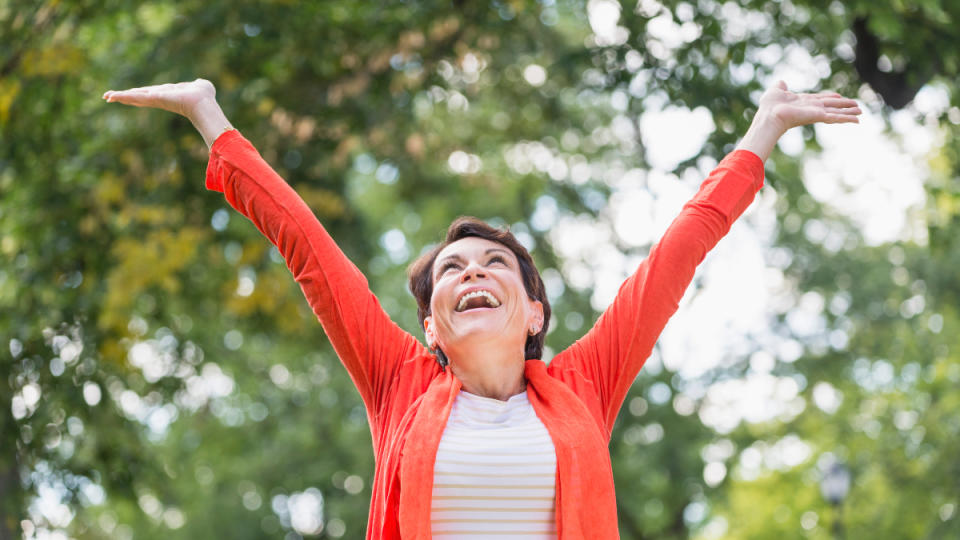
x=420, y=273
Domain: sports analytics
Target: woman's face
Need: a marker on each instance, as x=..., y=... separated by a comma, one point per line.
x=478, y=294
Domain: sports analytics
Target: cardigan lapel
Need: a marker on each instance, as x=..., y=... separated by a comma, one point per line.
x=420, y=453
x=586, y=501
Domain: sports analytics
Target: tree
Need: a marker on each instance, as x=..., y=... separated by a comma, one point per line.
x=875, y=380
x=168, y=375
x=165, y=377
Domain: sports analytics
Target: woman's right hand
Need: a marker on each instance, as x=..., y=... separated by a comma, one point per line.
x=195, y=99
x=181, y=98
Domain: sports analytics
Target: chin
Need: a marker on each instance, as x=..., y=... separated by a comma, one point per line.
x=481, y=329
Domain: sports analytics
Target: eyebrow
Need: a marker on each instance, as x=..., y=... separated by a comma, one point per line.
x=488, y=251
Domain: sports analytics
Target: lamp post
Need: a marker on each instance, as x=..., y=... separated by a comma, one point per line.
x=834, y=485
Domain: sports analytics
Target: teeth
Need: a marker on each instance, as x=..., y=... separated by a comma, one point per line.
x=493, y=302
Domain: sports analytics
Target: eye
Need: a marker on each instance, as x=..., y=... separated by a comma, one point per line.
x=497, y=258
x=448, y=266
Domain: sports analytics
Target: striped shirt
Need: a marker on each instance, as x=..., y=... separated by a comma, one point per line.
x=495, y=473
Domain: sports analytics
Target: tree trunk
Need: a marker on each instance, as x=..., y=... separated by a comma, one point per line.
x=10, y=495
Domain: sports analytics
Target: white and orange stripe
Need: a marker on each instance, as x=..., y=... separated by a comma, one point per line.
x=495, y=473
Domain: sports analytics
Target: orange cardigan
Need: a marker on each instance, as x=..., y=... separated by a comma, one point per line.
x=408, y=398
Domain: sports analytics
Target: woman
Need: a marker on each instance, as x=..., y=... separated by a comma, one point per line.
x=499, y=443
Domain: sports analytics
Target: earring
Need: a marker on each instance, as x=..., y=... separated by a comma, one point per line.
x=441, y=358
x=534, y=330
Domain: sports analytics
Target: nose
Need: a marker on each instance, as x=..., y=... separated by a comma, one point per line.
x=472, y=271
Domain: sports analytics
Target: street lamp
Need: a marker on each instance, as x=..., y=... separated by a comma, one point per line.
x=834, y=485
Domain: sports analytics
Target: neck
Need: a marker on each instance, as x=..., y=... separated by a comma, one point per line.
x=484, y=373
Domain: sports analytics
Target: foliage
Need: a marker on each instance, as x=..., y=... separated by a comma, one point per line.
x=164, y=376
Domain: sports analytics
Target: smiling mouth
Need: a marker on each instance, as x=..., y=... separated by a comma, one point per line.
x=477, y=299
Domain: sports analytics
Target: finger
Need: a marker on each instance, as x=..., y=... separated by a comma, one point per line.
x=130, y=98
x=114, y=93
x=839, y=102
x=124, y=93
x=828, y=94
x=840, y=119
x=781, y=85
x=843, y=110
x=130, y=90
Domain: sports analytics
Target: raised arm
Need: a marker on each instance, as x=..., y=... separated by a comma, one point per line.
x=368, y=343
x=611, y=354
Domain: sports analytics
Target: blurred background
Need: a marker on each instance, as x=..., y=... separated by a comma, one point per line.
x=162, y=376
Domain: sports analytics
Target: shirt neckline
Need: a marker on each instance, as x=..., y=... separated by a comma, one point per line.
x=473, y=408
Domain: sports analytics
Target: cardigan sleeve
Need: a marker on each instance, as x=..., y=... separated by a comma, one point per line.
x=611, y=354
x=369, y=344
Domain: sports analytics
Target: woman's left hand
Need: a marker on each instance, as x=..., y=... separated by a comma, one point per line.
x=792, y=110
x=781, y=109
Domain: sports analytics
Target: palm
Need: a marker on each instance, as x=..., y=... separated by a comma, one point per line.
x=181, y=98
x=793, y=110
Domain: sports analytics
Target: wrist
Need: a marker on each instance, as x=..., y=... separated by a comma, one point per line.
x=208, y=118
x=204, y=108
x=764, y=132
x=770, y=122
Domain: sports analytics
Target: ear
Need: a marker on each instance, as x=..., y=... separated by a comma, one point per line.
x=536, y=318
x=430, y=332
